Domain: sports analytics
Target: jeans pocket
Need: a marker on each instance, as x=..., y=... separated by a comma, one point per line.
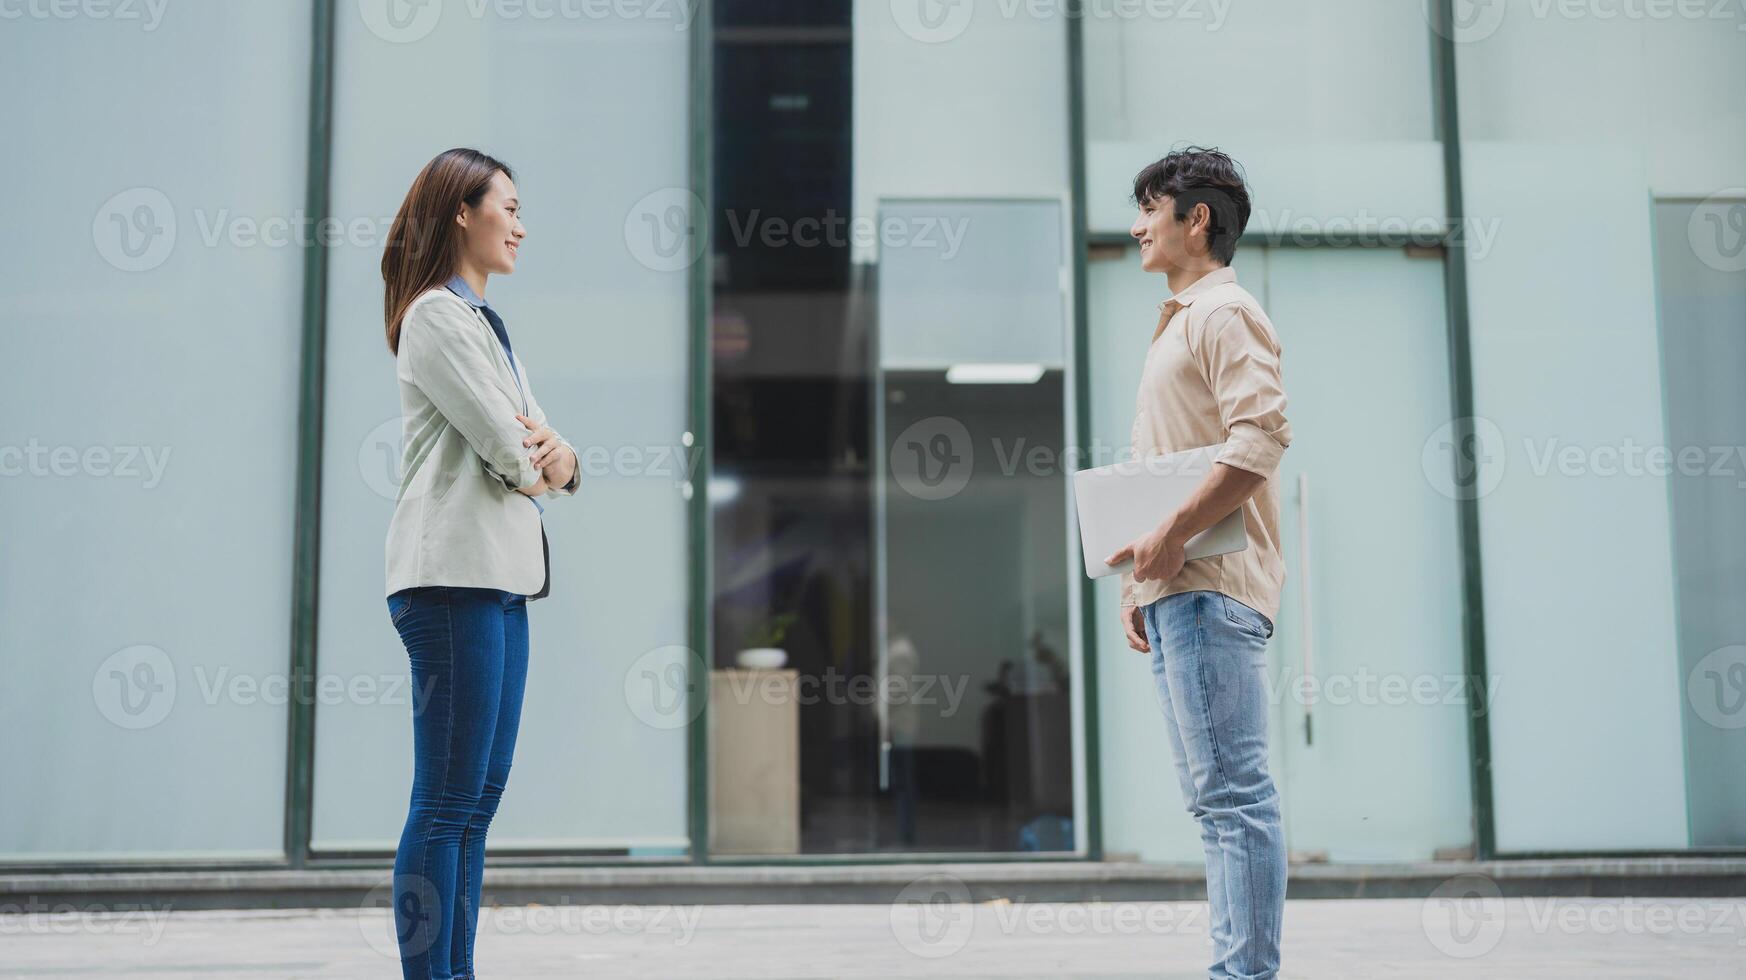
x=399, y=604
x=1248, y=620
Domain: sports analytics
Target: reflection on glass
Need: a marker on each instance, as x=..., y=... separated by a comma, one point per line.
x=978, y=740
x=919, y=643
x=1701, y=259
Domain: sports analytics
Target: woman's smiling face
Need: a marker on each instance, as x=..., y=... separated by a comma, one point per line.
x=491, y=233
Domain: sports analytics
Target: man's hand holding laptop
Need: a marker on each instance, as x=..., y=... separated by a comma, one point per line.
x=1159, y=554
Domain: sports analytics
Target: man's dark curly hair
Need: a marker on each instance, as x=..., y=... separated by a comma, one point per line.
x=1200, y=175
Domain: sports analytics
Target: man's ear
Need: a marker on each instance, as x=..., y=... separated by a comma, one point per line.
x=1201, y=217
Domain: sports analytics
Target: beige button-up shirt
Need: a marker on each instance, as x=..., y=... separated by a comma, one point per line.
x=1212, y=378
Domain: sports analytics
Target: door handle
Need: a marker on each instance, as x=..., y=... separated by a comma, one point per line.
x=1306, y=606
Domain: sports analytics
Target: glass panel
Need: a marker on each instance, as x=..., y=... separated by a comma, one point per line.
x=971, y=575
x=789, y=494
x=1368, y=678
x=1700, y=251
x=1579, y=551
x=1348, y=506
x=1327, y=105
x=148, y=427
x=832, y=118
x=597, y=311
x=1339, y=71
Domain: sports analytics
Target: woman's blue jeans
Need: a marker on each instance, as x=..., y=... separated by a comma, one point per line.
x=468, y=649
x=1209, y=652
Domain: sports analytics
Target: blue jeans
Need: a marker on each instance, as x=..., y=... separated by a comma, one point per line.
x=468, y=649
x=1208, y=654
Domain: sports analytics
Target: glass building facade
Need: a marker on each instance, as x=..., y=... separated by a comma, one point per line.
x=834, y=297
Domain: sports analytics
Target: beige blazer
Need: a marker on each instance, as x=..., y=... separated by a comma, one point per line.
x=459, y=519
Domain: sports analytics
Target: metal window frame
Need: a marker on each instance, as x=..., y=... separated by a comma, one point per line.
x=1081, y=314
x=306, y=536
x=1447, y=119
x=699, y=533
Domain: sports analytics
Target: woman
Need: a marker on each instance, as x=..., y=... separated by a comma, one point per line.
x=466, y=549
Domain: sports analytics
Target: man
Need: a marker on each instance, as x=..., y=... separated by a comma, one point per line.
x=1211, y=377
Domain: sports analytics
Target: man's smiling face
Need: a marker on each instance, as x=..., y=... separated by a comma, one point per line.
x=1162, y=236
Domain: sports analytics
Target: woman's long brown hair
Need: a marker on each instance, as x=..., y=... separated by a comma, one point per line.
x=425, y=242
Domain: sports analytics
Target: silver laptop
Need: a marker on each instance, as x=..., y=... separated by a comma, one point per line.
x=1122, y=501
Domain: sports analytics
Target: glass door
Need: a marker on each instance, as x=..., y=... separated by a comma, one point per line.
x=1369, y=736
x=891, y=599
x=1365, y=665
x=1701, y=267
x=972, y=625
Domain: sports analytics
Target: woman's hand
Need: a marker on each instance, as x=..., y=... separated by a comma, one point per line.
x=556, y=462
x=562, y=466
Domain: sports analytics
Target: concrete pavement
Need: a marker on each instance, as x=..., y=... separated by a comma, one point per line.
x=1459, y=934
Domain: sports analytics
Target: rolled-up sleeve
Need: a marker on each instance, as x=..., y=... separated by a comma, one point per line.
x=1130, y=592
x=449, y=357
x=1240, y=357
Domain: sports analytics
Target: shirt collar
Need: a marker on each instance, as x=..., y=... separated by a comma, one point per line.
x=1199, y=288
x=465, y=291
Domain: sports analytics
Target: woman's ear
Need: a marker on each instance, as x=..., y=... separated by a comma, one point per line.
x=461, y=216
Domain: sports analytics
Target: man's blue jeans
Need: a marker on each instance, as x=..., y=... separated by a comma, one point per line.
x=1209, y=652
x=468, y=649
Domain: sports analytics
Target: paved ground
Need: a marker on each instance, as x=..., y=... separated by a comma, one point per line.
x=1474, y=936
